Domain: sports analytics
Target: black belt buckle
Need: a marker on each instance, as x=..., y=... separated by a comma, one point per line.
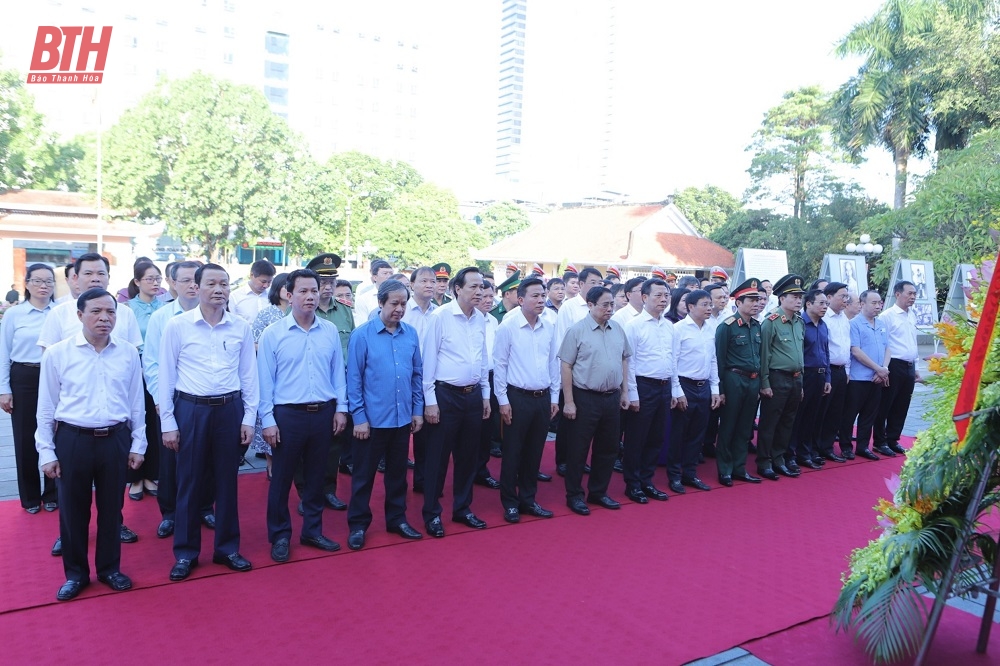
x=313, y=407
x=538, y=394
x=216, y=400
x=821, y=371
x=102, y=432
x=468, y=389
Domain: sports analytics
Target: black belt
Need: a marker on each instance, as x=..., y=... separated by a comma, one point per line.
x=211, y=400
x=653, y=380
x=93, y=432
x=838, y=367
x=310, y=406
x=528, y=392
x=696, y=382
x=899, y=360
x=821, y=371
x=592, y=392
x=789, y=373
x=745, y=373
x=27, y=365
x=461, y=389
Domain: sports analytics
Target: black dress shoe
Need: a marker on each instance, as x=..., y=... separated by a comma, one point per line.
x=794, y=466
x=726, y=480
x=677, y=487
x=512, y=515
x=578, y=506
x=346, y=469
x=618, y=467
x=51, y=506
x=320, y=542
x=808, y=462
x=488, y=482
x=637, y=496
x=410, y=464
x=496, y=452
x=334, y=502
x=235, y=561
x=70, y=589
x=406, y=531
x=117, y=581
x=182, y=569
x=536, y=510
x=833, y=457
x=165, y=529
x=561, y=469
x=603, y=500
x=126, y=535
x=748, y=478
x=208, y=520
x=696, y=483
x=865, y=453
x=885, y=451
x=280, y=550
x=381, y=466
x=57, y=548
x=768, y=474
x=356, y=540
x=847, y=454
x=544, y=477
x=33, y=509
x=301, y=508
x=784, y=470
x=655, y=493
x=897, y=449
x=435, y=528
x=470, y=520
x=586, y=469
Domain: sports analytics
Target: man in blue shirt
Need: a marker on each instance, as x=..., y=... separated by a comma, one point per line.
x=303, y=398
x=816, y=383
x=385, y=391
x=869, y=373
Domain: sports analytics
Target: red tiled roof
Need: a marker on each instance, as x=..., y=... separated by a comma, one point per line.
x=48, y=198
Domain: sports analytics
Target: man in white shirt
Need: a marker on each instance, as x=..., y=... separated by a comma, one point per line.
x=721, y=309
x=526, y=378
x=456, y=400
x=633, y=293
x=208, y=406
x=418, y=311
x=74, y=291
x=840, y=365
x=491, y=427
x=252, y=298
x=695, y=386
x=91, y=425
x=367, y=300
x=649, y=388
x=901, y=325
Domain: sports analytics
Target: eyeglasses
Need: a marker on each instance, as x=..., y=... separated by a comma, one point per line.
x=152, y=279
x=184, y=281
x=42, y=283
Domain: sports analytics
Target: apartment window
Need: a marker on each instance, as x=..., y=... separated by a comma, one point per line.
x=200, y=30
x=227, y=58
x=275, y=70
x=133, y=42
x=276, y=43
x=375, y=83
x=229, y=31
x=229, y=5
x=276, y=95
x=129, y=17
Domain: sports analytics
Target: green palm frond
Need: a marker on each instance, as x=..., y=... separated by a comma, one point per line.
x=891, y=621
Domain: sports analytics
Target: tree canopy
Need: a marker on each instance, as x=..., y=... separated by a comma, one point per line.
x=502, y=219
x=707, y=208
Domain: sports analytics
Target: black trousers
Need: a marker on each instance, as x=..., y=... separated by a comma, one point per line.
x=895, y=402
x=166, y=489
x=458, y=434
x=561, y=432
x=209, y=450
x=335, y=451
x=644, y=432
x=305, y=445
x=420, y=455
x=834, y=417
x=863, y=399
x=523, y=444
x=688, y=430
x=777, y=417
x=86, y=461
x=809, y=417
x=392, y=444
x=711, y=431
x=597, y=420
x=490, y=428
x=24, y=391
x=150, y=468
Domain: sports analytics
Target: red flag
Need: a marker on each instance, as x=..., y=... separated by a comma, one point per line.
x=968, y=394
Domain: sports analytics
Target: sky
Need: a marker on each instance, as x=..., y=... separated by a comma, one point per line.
x=693, y=81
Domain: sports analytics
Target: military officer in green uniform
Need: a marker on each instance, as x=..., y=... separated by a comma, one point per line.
x=737, y=351
x=442, y=277
x=339, y=313
x=781, y=360
x=508, y=296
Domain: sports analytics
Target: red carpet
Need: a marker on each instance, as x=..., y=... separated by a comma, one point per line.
x=662, y=583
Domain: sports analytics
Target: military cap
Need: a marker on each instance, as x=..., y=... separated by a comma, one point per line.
x=325, y=265
x=790, y=284
x=570, y=268
x=442, y=271
x=511, y=266
x=749, y=288
x=719, y=274
x=658, y=272
x=513, y=282
x=537, y=270
x=613, y=270
x=671, y=276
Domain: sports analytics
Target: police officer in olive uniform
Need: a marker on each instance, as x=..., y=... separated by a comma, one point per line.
x=781, y=362
x=442, y=275
x=339, y=313
x=737, y=350
x=508, y=295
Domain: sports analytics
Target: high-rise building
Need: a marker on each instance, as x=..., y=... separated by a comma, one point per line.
x=511, y=89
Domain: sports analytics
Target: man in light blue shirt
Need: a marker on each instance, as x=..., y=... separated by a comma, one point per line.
x=869, y=373
x=303, y=399
x=385, y=391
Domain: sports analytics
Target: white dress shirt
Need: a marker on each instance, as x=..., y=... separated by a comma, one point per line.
x=19, y=338
x=652, y=343
x=417, y=318
x=525, y=357
x=456, y=351
x=572, y=310
x=89, y=389
x=151, y=347
x=205, y=360
x=491, y=335
x=247, y=304
x=902, y=329
x=63, y=322
x=840, y=338
x=714, y=320
x=694, y=354
x=625, y=315
x=365, y=303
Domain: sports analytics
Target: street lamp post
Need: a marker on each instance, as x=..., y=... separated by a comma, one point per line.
x=865, y=247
